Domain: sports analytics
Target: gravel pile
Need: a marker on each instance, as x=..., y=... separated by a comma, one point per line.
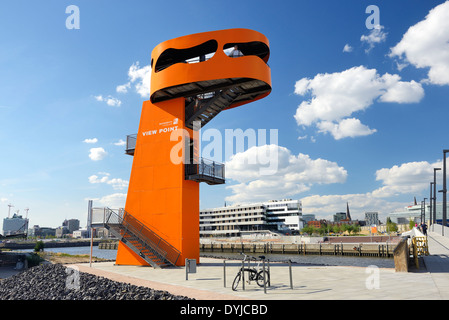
x=57, y=282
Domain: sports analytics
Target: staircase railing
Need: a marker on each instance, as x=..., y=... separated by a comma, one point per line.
x=148, y=238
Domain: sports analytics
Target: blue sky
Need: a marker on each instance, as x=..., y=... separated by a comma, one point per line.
x=373, y=117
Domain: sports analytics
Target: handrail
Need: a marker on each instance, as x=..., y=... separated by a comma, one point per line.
x=145, y=234
x=207, y=167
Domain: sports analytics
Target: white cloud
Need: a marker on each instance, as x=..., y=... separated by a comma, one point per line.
x=94, y=140
x=350, y=127
x=120, y=143
x=426, y=45
x=376, y=36
x=347, y=48
x=96, y=179
x=410, y=178
x=325, y=206
x=403, y=92
x=116, y=183
x=140, y=77
x=110, y=101
x=123, y=88
x=97, y=154
x=298, y=173
x=294, y=174
x=338, y=95
x=115, y=201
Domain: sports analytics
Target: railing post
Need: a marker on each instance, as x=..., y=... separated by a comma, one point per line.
x=224, y=273
x=290, y=272
x=264, y=277
x=268, y=269
x=243, y=274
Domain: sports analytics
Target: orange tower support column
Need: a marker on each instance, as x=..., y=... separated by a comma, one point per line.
x=158, y=194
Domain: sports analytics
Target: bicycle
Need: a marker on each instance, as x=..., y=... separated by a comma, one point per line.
x=254, y=273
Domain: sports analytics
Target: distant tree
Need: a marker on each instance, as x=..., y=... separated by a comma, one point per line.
x=337, y=229
x=39, y=246
x=307, y=229
x=391, y=226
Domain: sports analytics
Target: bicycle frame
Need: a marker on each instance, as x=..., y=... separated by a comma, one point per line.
x=255, y=273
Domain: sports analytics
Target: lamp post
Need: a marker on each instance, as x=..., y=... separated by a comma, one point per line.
x=435, y=196
x=444, y=191
x=431, y=204
x=423, y=210
x=444, y=221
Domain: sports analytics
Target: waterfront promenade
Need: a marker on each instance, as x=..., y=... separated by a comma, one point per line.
x=430, y=281
x=437, y=262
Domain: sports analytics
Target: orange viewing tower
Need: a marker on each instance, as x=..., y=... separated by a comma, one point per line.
x=193, y=78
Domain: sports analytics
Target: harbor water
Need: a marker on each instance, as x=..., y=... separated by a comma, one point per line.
x=99, y=253
x=326, y=260
x=323, y=260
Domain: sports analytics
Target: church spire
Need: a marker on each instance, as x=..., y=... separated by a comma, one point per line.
x=348, y=215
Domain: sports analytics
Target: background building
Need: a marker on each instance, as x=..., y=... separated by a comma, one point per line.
x=14, y=225
x=371, y=218
x=339, y=216
x=81, y=233
x=276, y=215
x=284, y=215
x=414, y=212
x=72, y=225
x=308, y=217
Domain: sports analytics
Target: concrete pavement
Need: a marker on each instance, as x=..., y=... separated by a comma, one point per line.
x=309, y=282
x=437, y=262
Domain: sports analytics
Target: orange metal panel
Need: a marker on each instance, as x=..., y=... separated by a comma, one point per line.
x=158, y=194
x=220, y=66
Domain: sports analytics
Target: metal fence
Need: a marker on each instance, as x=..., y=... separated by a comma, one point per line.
x=207, y=167
x=101, y=215
x=131, y=142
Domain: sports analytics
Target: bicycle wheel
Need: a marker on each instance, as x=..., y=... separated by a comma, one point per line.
x=236, y=281
x=252, y=274
x=259, y=278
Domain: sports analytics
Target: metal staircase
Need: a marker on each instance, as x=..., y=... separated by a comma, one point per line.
x=140, y=239
x=205, y=107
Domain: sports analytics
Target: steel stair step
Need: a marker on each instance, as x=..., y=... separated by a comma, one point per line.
x=143, y=247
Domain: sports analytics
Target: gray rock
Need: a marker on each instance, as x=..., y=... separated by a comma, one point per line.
x=50, y=282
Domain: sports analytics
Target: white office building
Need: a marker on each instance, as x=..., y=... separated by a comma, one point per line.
x=414, y=212
x=284, y=215
x=276, y=215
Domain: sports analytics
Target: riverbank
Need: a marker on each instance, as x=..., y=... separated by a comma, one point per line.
x=24, y=245
x=65, y=258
